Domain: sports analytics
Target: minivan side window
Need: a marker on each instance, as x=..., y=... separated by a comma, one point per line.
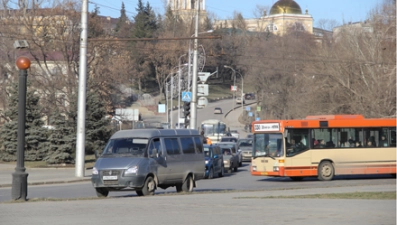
x=172, y=146
x=154, y=144
x=199, y=144
x=187, y=145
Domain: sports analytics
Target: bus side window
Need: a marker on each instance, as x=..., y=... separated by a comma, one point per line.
x=392, y=140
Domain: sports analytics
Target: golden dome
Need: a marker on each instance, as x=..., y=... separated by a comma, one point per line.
x=285, y=6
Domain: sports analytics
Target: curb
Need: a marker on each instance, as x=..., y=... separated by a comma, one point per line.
x=49, y=182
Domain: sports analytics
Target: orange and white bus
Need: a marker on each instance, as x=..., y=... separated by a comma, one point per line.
x=324, y=146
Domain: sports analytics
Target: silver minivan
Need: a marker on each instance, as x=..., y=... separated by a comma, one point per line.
x=143, y=160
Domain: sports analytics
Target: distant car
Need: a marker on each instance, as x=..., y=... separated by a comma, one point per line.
x=234, y=133
x=230, y=155
x=250, y=136
x=228, y=139
x=249, y=96
x=240, y=100
x=244, y=146
x=233, y=146
x=213, y=161
x=218, y=110
x=179, y=126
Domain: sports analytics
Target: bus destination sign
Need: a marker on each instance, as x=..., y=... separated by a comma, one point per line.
x=267, y=127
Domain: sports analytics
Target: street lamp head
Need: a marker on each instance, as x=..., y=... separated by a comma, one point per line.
x=227, y=66
x=23, y=63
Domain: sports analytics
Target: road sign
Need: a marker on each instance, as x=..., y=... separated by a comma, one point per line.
x=258, y=118
x=247, y=108
x=202, y=102
x=202, y=90
x=203, y=76
x=250, y=114
x=186, y=96
x=233, y=88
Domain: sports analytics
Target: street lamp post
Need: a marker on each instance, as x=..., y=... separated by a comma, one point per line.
x=179, y=89
x=190, y=59
x=234, y=83
x=242, y=88
x=172, y=98
x=20, y=177
x=242, y=94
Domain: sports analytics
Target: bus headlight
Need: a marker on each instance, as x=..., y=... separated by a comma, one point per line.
x=253, y=168
x=275, y=168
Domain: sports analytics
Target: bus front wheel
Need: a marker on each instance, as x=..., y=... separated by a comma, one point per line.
x=326, y=171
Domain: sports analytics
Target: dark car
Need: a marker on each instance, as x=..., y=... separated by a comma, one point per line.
x=244, y=146
x=230, y=155
x=249, y=96
x=213, y=161
x=228, y=139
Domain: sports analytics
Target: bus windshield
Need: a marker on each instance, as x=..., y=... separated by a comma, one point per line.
x=213, y=129
x=268, y=145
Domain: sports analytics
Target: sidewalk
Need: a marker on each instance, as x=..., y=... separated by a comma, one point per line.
x=39, y=176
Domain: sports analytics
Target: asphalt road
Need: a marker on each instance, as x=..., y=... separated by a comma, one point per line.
x=236, y=181
x=243, y=207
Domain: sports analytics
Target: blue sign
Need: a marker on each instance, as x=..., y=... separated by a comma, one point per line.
x=250, y=114
x=186, y=96
x=247, y=108
x=258, y=118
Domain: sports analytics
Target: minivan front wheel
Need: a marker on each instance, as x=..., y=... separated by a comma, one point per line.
x=148, y=188
x=102, y=192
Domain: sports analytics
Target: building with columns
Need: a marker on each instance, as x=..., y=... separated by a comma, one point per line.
x=186, y=9
x=283, y=15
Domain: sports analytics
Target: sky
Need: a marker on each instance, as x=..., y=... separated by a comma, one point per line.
x=342, y=11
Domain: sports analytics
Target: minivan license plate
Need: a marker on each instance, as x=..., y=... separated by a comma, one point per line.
x=109, y=177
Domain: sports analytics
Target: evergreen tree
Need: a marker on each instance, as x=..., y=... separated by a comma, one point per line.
x=62, y=140
x=172, y=24
x=97, y=125
x=35, y=134
x=95, y=27
x=122, y=19
x=145, y=21
x=207, y=25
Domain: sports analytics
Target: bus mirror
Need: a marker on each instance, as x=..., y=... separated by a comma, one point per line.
x=285, y=132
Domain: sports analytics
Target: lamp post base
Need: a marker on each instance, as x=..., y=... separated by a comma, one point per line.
x=19, y=185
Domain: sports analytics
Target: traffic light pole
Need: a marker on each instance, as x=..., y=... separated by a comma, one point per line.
x=186, y=113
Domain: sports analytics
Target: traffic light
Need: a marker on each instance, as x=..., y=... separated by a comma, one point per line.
x=186, y=113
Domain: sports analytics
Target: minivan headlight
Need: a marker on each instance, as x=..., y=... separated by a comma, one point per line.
x=95, y=171
x=131, y=170
x=206, y=161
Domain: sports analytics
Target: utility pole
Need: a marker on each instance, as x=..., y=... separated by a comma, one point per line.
x=80, y=139
x=193, y=103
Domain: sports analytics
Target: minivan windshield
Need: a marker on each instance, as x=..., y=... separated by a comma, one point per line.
x=134, y=147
